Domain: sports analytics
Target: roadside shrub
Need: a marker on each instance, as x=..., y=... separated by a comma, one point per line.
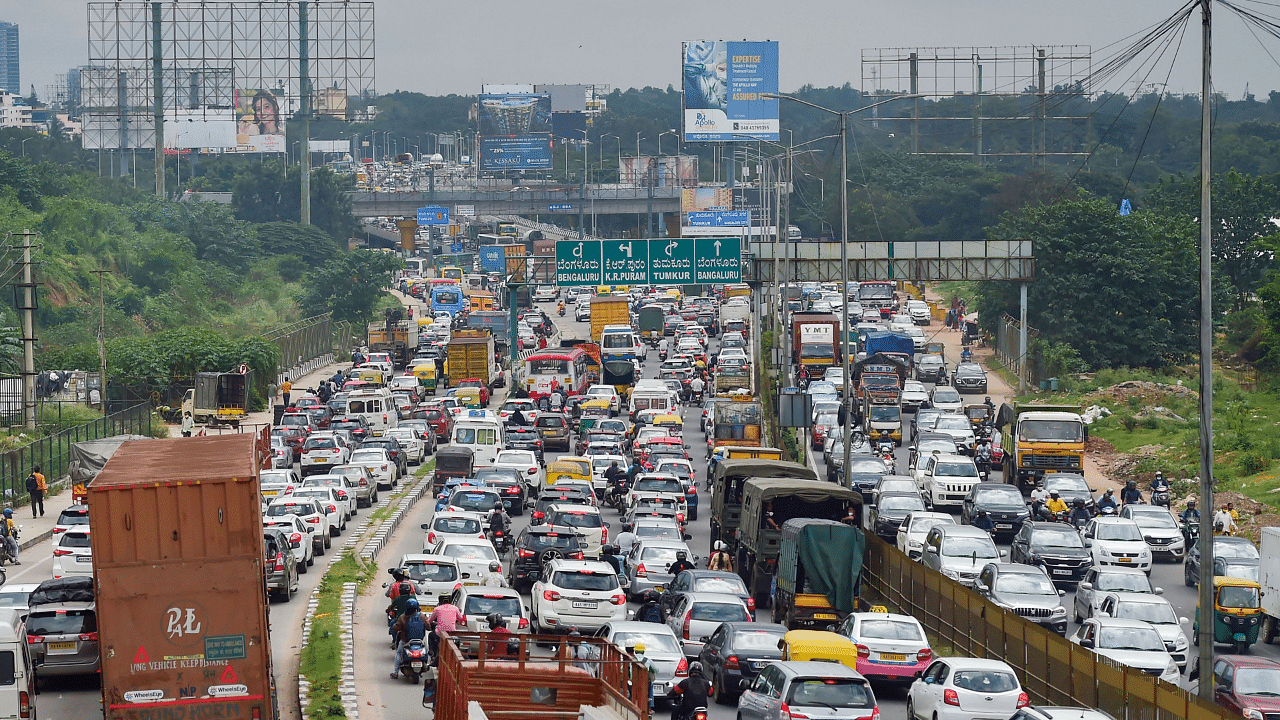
x=1252, y=462
x=1151, y=422
x=1129, y=422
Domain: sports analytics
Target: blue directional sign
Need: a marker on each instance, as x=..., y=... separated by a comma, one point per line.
x=720, y=218
x=433, y=215
x=560, y=207
x=455, y=247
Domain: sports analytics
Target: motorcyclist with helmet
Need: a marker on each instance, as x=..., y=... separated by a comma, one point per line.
x=494, y=577
x=1080, y=515
x=410, y=626
x=1191, y=514
x=650, y=609
x=720, y=559
x=609, y=554
x=1108, y=500
x=690, y=694
x=9, y=531
x=983, y=520
x=1130, y=493
x=498, y=626
x=1159, y=484
x=1038, y=498
x=1055, y=504
x=681, y=563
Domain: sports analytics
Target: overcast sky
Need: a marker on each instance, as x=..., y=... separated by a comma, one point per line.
x=442, y=48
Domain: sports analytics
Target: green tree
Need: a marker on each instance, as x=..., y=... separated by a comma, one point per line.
x=1243, y=208
x=1119, y=290
x=307, y=242
x=269, y=192
x=349, y=285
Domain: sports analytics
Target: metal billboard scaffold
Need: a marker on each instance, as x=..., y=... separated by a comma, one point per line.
x=930, y=261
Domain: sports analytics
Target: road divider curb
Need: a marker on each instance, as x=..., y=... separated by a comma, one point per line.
x=383, y=533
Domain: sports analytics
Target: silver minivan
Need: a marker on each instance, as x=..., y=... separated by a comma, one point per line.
x=17, y=682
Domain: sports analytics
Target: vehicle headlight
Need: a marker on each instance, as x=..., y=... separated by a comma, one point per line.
x=1180, y=642
x=953, y=574
x=1144, y=553
x=1173, y=670
x=1059, y=611
x=1253, y=714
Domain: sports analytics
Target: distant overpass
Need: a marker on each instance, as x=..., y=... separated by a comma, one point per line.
x=557, y=200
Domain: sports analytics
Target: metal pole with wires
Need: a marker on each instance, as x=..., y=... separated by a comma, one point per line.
x=1207, y=621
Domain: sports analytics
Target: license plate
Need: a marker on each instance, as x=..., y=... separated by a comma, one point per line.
x=585, y=604
x=84, y=558
x=1125, y=560
x=1004, y=526
x=1239, y=637
x=416, y=664
x=824, y=616
x=471, y=584
x=320, y=460
x=61, y=646
x=1061, y=572
x=268, y=492
x=659, y=689
x=893, y=657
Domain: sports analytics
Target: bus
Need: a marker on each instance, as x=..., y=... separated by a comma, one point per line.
x=877, y=295
x=447, y=298
x=565, y=367
x=451, y=273
x=415, y=267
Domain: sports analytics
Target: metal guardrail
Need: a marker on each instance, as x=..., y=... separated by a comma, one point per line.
x=1053, y=671
x=308, y=344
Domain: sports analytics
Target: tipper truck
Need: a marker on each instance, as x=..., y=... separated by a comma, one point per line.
x=1040, y=439
x=469, y=355
x=608, y=310
x=178, y=568
x=815, y=339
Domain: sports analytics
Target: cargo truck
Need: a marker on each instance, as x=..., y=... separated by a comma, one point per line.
x=819, y=563
x=815, y=341
x=393, y=336
x=899, y=345
x=470, y=354
x=1269, y=578
x=726, y=499
x=608, y=310
x=219, y=398
x=1040, y=439
x=736, y=420
x=179, y=573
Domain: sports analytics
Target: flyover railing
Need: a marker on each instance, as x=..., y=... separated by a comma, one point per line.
x=1053, y=670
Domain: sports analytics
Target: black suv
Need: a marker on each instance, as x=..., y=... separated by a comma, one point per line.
x=391, y=445
x=1002, y=502
x=525, y=438
x=357, y=425
x=535, y=547
x=1056, y=547
x=969, y=377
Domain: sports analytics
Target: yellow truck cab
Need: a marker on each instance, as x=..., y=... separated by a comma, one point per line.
x=1041, y=439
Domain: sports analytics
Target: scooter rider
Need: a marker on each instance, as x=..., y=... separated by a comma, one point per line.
x=609, y=554
x=696, y=387
x=494, y=577
x=498, y=520
x=690, y=694
x=681, y=564
x=1038, y=494
x=1159, y=484
x=983, y=520
x=1080, y=514
x=650, y=610
x=410, y=626
x=1108, y=500
x=1131, y=493
x=1055, y=504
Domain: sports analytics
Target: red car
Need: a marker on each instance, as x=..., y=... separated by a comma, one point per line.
x=294, y=436
x=441, y=420
x=476, y=383
x=1246, y=685
x=306, y=401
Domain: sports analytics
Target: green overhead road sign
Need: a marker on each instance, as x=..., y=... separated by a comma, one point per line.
x=626, y=262
x=718, y=260
x=658, y=261
x=578, y=262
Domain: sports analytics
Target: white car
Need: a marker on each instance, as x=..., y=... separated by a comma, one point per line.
x=606, y=392
x=477, y=603
x=311, y=512
x=577, y=593
x=917, y=336
x=582, y=311
x=958, y=688
x=344, y=490
x=335, y=509
x=1159, y=528
x=73, y=554
x=945, y=480
x=411, y=443
x=914, y=395
x=277, y=483
x=1100, y=581
x=1117, y=542
x=379, y=464
x=919, y=311
x=648, y=485
x=912, y=531
x=697, y=614
x=473, y=556
x=299, y=535
x=958, y=427
x=583, y=520
x=1129, y=642
x=322, y=451
x=527, y=407
x=660, y=646
x=436, y=576
x=451, y=524
x=545, y=293
x=524, y=462
x=896, y=645
x=947, y=399
x=1150, y=609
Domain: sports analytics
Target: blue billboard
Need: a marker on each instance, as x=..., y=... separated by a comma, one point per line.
x=515, y=152
x=723, y=83
x=719, y=218
x=433, y=215
x=493, y=258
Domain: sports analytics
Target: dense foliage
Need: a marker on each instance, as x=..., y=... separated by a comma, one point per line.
x=349, y=285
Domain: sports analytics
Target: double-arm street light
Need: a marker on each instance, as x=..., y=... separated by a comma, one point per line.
x=844, y=250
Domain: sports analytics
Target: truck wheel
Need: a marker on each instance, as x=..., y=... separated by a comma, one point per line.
x=1268, y=629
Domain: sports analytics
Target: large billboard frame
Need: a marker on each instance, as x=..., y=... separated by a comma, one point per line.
x=723, y=86
x=515, y=131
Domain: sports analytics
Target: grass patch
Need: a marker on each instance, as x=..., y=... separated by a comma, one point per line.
x=321, y=660
x=993, y=363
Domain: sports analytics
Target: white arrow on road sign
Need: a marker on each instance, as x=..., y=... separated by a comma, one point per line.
x=625, y=248
x=717, y=244
x=671, y=246
x=577, y=251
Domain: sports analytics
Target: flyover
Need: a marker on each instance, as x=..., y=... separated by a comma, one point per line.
x=547, y=200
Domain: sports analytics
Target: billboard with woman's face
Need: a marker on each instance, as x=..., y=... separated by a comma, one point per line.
x=259, y=122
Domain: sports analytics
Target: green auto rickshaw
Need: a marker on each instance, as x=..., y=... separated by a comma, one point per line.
x=1237, y=613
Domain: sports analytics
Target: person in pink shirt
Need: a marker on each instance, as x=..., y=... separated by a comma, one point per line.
x=445, y=620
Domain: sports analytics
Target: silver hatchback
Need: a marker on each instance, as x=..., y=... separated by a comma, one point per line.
x=63, y=638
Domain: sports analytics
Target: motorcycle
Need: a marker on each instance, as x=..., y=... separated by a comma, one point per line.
x=5, y=555
x=616, y=498
x=415, y=660
x=1191, y=532
x=982, y=458
x=1107, y=511
x=1160, y=497
x=501, y=542
x=698, y=713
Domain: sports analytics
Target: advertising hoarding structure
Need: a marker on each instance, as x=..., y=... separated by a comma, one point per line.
x=662, y=171
x=515, y=131
x=723, y=83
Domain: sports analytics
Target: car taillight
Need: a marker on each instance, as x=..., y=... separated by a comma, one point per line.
x=731, y=662
x=787, y=713
x=524, y=623
x=89, y=637
x=295, y=538
x=384, y=467
x=533, y=471
x=1023, y=700
x=431, y=538
x=875, y=714
x=950, y=697
x=24, y=704
x=684, y=629
x=336, y=451
x=332, y=509
x=604, y=535
x=59, y=552
x=863, y=651
x=342, y=494
x=618, y=599
x=924, y=655
x=538, y=443
x=751, y=604
x=279, y=561
x=35, y=639
x=550, y=595
x=576, y=556
x=364, y=483
x=680, y=517
x=691, y=491
x=313, y=520
x=641, y=571
x=59, y=530
x=682, y=669
x=538, y=515
x=525, y=553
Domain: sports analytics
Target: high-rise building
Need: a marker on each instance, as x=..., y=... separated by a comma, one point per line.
x=9, y=77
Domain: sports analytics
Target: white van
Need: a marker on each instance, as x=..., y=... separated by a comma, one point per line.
x=483, y=432
x=620, y=342
x=17, y=681
x=652, y=395
x=376, y=406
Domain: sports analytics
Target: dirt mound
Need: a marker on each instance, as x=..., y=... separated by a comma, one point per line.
x=1149, y=392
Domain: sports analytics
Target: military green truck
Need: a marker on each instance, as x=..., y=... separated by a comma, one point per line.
x=726, y=498
x=786, y=498
x=819, y=563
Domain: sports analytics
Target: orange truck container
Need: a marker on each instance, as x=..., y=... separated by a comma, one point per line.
x=179, y=582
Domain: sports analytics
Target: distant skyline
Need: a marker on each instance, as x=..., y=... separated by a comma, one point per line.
x=453, y=48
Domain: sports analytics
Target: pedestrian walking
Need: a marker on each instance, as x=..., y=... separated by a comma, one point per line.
x=188, y=424
x=36, y=488
x=285, y=388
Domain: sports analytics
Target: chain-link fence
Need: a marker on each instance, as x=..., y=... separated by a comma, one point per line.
x=52, y=453
x=1007, y=331
x=308, y=344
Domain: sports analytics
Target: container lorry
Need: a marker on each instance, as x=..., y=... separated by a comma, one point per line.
x=1269, y=578
x=179, y=571
x=608, y=310
x=1040, y=439
x=469, y=354
x=819, y=562
x=219, y=398
x=815, y=340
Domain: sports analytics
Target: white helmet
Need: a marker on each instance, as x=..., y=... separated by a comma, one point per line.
x=720, y=546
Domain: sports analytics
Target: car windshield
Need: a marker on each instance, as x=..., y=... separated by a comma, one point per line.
x=969, y=547
x=1258, y=681
x=1000, y=497
x=1066, y=484
x=985, y=681
x=900, y=503
x=951, y=422
x=665, y=555
x=1117, y=531
x=542, y=541
x=757, y=642
x=870, y=466
x=470, y=552
x=1234, y=596
x=1125, y=581
x=719, y=612
x=834, y=692
x=473, y=500
x=1130, y=638
x=1050, y=431
x=921, y=525
x=430, y=572
x=1155, y=520
x=483, y=605
x=881, y=413
x=291, y=509
x=1056, y=538
x=369, y=456
x=890, y=630
x=1237, y=570
x=1024, y=584
x=1235, y=550
x=584, y=580
x=660, y=642
x=726, y=585
x=1159, y=613
x=946, y=395
x=459, y=525
x=956, y=469
x=70, y=517
x=943, y=446
x=576, y=519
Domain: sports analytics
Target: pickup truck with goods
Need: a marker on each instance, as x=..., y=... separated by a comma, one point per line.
x=819, y=562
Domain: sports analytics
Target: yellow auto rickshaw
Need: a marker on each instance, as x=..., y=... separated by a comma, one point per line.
x=468, y=396
x=373, y=376
x=592, y=411
x=425, y=321
x=672, y=423
x=978, y=414
x=569, y=468
x=1237, y=613
x=819, y=645
x=426, y=374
